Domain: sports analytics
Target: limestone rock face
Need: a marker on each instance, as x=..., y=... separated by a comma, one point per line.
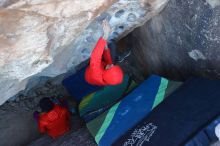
x=51, y=37
x=182, y=41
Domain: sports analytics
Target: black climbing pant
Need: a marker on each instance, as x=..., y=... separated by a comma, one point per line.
x=112, y=46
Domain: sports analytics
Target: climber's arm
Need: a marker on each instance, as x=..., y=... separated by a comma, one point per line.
x=96, y=56
x=107, y=56
x=41, y=127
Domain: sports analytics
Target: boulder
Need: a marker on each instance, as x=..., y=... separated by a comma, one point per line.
x=47, y=38
x=182, y=41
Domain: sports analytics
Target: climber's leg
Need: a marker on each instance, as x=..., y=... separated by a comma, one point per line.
x=116, y=57
x=112, y=46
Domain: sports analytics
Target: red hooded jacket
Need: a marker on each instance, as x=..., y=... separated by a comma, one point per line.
x=56, y=122
x=96, y=74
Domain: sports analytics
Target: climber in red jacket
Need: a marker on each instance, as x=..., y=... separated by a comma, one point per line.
x=54, y=119
x=101, y=70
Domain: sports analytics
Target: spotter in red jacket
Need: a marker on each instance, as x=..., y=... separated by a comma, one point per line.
x=96, y=73
x=55, y=122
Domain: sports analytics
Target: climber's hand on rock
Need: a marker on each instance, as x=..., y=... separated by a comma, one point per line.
x=106, y=29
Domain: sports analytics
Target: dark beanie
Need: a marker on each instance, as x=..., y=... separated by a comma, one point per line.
x=46, y=104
